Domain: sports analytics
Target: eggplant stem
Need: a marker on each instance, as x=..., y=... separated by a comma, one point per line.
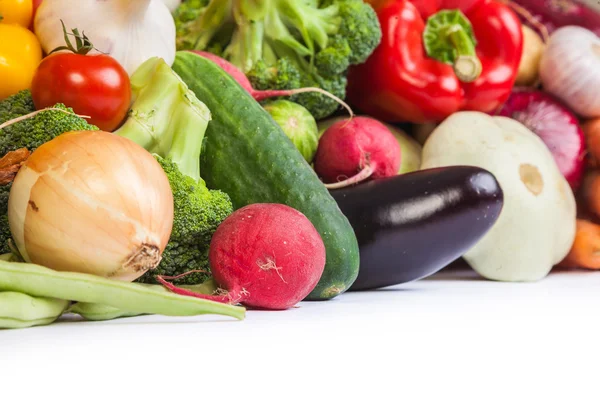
x=364, y=174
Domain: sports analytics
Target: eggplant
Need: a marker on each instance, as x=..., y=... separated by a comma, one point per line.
x=411, y=226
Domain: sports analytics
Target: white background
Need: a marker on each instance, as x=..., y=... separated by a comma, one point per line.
x=449, y=336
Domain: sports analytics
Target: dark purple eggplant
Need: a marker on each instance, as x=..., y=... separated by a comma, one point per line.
x=411, y=226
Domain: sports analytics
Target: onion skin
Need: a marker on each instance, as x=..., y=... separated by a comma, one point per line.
x=569, y=69
x=91, y=202
x=555, y=124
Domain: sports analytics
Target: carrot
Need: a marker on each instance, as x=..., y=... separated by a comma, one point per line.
x=585, y=252
x=591, y=130
x=590, y=192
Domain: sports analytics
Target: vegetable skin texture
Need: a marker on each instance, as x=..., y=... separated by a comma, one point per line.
x=248, y=156
x=537, y=225
x=354, y=150
x=284, y=44
x=452, y=208
x=169, y=121
x=39, y=281
x=585, y=252
x=266, y=256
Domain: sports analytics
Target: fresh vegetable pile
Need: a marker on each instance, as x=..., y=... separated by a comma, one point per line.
x=211, y=156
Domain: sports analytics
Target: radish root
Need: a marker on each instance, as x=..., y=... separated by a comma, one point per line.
x=364, y=174
x=220, y=296
x=269, y=265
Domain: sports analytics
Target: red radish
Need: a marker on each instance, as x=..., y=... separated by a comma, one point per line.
x=555, y=124
x=267, y=256
x=260, y=95
x=355, y=150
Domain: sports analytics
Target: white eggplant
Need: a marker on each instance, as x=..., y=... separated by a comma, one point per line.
x=536, y=227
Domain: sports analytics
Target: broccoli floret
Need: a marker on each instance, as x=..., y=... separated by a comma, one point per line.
x=317, y=40
x=29, y=133
x=33, y=132
x=16, y=105
x=168, y=120
x=5, y=234
x=198, y=213
x=359, y=26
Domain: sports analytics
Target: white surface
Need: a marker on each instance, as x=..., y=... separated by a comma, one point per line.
x=450, y=336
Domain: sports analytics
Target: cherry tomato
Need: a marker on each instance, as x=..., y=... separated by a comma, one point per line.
x=93, y=85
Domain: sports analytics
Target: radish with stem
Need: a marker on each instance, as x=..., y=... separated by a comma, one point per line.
x=356, y=150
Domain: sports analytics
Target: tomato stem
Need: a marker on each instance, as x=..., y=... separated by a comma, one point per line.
x=82, y=42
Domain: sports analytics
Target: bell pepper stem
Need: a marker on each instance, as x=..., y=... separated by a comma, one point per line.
x=448, y=37
x=467, y=66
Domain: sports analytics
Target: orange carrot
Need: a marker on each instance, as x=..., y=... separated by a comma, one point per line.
x=591, y=130
x=585, y=252
x=590, y=192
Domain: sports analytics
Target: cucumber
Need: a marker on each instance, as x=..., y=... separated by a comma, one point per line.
x=247, y=155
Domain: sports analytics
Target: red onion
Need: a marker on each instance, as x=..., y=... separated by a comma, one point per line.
x=554, y=14
x=555, y=124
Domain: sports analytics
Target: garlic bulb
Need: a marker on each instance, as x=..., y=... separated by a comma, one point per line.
x=172, y=4
x=92, y=202
x=569, y=69
x=131, y=31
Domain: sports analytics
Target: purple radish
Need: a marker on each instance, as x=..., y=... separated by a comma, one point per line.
x=353, y=150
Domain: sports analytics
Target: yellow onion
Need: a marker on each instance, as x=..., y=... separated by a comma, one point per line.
x=92, y=202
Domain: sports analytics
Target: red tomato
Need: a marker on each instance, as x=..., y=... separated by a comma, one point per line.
x=93, y=85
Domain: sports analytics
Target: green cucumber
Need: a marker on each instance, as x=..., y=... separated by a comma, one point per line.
x=247, y=155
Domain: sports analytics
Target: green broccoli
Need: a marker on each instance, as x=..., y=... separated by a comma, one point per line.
x=284, y=44
x=5, y=234
x=29, y=133
x=33, y=132
x=168, y=120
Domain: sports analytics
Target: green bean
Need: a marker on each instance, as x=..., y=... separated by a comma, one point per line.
x=19, y=310
x=102, y=312
x=40, y=281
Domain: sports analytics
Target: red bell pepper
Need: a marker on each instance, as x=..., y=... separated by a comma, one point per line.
x=438, y=57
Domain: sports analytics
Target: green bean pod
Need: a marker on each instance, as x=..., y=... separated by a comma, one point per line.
x=19, y=310
x=102, y=312
x=40, y=281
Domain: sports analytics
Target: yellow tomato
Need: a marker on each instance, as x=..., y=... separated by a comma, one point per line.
x=20, y=55
x=16, y=12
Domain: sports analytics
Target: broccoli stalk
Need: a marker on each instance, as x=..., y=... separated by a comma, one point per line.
x=284, y=44
x=168, y=120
